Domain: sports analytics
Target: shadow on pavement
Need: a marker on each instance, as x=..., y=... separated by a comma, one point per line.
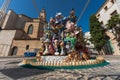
x=17, y=73
x=16, y=62
x=105, y=77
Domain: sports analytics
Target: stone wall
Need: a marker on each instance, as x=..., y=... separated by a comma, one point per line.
x=15, y=21
x=37, y=29
x=114, y=43
x=22, y=20
x=20, y=34
x=10, y=20
x=21, y=45
x=6, y=38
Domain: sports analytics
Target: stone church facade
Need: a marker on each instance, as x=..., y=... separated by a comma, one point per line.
x=27, y=33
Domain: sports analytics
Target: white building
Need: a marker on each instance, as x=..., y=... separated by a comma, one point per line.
x=109, y=8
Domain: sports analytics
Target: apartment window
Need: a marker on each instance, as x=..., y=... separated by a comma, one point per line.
x=112, y=1
x=114, y=13
x=101, y=22
x=106, y=8
x=98, y=15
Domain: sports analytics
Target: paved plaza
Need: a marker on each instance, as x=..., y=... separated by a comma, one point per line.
x=9, y=70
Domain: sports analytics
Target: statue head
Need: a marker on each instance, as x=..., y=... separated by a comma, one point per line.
x=72, y=12
x=70, y=25
x=56, y=42
x=58, y=15
x=62, y=43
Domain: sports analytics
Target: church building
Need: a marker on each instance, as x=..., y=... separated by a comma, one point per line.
x=21, y=33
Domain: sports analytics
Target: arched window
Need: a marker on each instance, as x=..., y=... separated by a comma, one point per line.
x=14, y=50
x=30, y=29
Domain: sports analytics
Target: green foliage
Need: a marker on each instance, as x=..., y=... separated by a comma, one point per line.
x=115, y=19
x=112, y=24
x=98, y=36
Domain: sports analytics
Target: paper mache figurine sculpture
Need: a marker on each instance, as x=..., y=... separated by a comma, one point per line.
x=61, y=34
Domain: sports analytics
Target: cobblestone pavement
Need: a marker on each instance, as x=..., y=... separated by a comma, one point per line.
x=9, y=70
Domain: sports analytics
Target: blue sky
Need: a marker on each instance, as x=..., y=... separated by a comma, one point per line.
x=53, y=6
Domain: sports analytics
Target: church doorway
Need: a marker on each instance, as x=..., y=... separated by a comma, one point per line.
x=14, y=51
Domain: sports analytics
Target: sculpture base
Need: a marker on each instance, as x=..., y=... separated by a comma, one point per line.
x=56, y=62
x=65, y=67
x=53, y=58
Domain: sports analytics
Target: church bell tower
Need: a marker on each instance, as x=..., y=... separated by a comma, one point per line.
x=42, y=15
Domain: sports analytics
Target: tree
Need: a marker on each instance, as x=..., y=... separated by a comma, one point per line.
x=98, y=36
x=113, y=24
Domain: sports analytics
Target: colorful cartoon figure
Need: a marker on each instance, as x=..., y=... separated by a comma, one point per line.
x=56, y=47
x=47, y=43
x=51, y=49
x=62, y=33
x=72, y=16
x=62, y=48
x=70, y=25
x=68, y=46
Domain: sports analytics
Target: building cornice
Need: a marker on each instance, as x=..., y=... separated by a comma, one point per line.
x=25, y=16
x=102, y=6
